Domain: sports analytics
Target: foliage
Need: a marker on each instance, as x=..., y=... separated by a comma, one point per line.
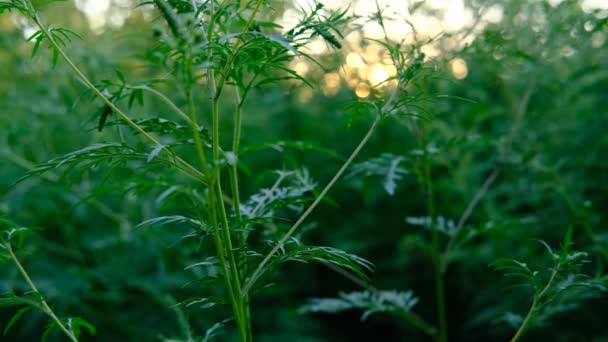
x=176, y=161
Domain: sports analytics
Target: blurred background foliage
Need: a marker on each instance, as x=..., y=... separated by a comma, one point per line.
x=528, y=85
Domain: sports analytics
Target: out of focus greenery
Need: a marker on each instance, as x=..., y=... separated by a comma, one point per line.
x=517, y=104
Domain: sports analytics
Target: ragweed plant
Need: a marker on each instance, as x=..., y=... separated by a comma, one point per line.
x=11, y=241
x=555, y=291
x=212, y=49
x=165, y=218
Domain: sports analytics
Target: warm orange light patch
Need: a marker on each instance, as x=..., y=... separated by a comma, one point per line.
x=362, y=90
x=459, y=68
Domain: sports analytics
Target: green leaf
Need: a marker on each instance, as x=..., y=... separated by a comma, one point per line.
x=15, y=318
x=213, y=332
x=387, y=165
x=371, y=302
x=75, y=325
x=164, y=220
x=294, y=251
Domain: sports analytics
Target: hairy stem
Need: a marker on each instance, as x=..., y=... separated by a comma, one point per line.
x=45, y=307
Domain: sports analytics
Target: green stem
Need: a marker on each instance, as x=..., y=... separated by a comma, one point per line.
x=243, y=321
x=524, y=324
x=166, y=100
x=537, y=297
x=222, y=208
x=45, y=307
x=181, y=163
x=222, y=250
x=234, y=185
x=234, y=180
x=437, y=257
x=256, y=274
x=224, y=73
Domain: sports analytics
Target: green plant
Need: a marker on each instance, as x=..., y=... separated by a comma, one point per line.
x=71, y=326
x=563, y=286
x=204, y=41
x=177, y=161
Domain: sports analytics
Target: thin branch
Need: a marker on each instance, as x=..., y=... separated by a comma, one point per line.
x=519, y=116
x=45, y=307
x=180, y=162
x=316, y=202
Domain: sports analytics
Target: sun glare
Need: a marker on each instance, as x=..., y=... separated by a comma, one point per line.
x=459, y=68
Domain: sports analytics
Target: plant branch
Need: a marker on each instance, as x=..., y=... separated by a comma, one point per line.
x=481, y=192
x=186, y=167
x=166, y=100
x=316, y=202
x=437, y=257
x=525, y=322
x=45, y=307
x=53, y=178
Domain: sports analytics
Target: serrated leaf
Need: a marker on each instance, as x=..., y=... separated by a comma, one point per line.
x=387, y=166
x=293, y=250
x=370, y=302
x=289, y=191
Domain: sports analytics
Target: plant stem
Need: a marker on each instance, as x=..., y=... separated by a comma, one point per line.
x=256, y=274
x=234, y=180
x=224, y=73
x=45, y=307
x=524, y=324
x=53, y=178
x=466, y=214
x=234, y=185
x=537, y=297
x=244, y=322
x=216, y=182
x=522, y=108
x=182, y=163
x=231, y=276
x=166, y=100
x=437, y=257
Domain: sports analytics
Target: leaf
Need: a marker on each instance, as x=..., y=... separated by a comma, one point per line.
x=387, y=165
x=293, y=251
x=120, y=76
x=371, y=302
x=55, y=58
x=136, y=95
x=442, y=224
x=48, y=329
x=289, y=191
x=199, y=264
x=105, y=112
x=155, y=152
x=214, y=331
x=76, y=323
x=281, y=40
x=15, y=318
x=164, y=220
